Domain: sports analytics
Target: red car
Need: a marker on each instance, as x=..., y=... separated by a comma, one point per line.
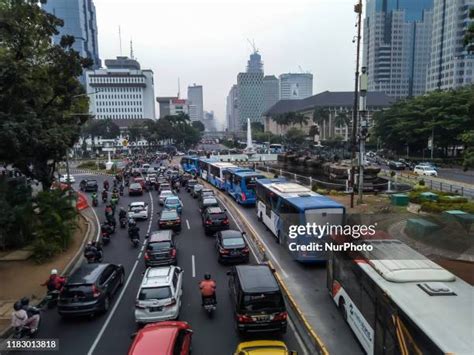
x=139, y=180
x=164, y=338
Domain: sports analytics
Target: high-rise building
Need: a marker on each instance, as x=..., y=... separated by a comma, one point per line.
x=232, y=109
x=165, y=103
x=255, y=64
x=121, y=91
x=295, y=86
x=79, y=18
x=195, y=101
x=271, y=91
x=450, y=65
x=397, y=45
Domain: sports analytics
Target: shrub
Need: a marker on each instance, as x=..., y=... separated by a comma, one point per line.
x=421, y=182
x=438, y=207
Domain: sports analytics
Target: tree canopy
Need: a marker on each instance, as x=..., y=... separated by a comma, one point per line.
x=105, y=128
x=198, y=125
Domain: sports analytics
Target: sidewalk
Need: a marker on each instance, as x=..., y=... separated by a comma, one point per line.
x=23, y=277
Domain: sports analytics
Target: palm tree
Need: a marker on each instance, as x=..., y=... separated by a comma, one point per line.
x=320, y=116
x=342, y=119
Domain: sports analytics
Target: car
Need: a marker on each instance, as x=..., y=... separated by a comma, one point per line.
x=164, y=186
x=396, y=165
x=138, y=210
x=89, y=185
x=196, y=189
x=151, y=171
x=205, y=193
x=173, y=203
x=144, y=168
x=164, y=338
x=136, y=172
x=428, y=164
x=89, y=289
x=179, y=154
x=425, y=170
x=232, y=246
x=258, y=303
x=190, y=185
x=159, y=295
x=214, y=219
x=164, y=194
x=169, y=219
x=260, y=347
x=64, y=179
x=160, y=249
x=135, y=189
x=140, y=181
x=207, y=202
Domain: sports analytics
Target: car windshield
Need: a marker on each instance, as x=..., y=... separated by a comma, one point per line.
x=159, y=246
x=91, y=182
x=137, y=208
x=172, y=201
x=197, y=187
x=209, y=201
x=232, y=242
x=135, y=186
x=166, y=193
x=262, y=301
x=155, y=293
x=171, y=214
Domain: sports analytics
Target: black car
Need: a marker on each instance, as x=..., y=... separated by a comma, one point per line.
x=257, y=299
x=89, y=185
x=207, y=202
x=396, y=165
x=190, y=185
x=232, y=246
x=214, y=219
x=169, y=219
x=89, y=289
x=160, y=249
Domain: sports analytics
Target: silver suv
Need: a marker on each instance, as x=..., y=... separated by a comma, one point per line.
x=159, y=295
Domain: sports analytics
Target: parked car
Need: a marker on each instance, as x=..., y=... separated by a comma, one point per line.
x=138, y=210
x=214, y=219
x=89, y=289
x=190, y=185
x=232, y=247
x=173, y=203
x=89, y=185
x=159, y=295
x=207, y=202
x=260, y=347
x=64, y=179
x=257, y=299
x=425, y=170
x=164, y=194
x=396, y=165
x=160, y=249
x=169, y=219
x=164, y=338
x=196, y=189
x=135, y=189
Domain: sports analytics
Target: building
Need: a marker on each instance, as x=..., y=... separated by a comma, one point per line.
x=209, y=121
x=164, y=103
x=80, y=21
x=397, y=45
x=271, y=91
x=255, y=64
x=179, y=107
x=338, y=105
x=450, y=65
x=121, y=91
x=195, y=101
x=232, y=109
x=296, y=86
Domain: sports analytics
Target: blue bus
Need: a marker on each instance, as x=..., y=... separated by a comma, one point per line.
x=283, y=206
x=216, y=172
x=190, y=164
x=240, y=183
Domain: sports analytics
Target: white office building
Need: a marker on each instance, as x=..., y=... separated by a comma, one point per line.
x=121, y=91
x=195, y=102
x=296, y=86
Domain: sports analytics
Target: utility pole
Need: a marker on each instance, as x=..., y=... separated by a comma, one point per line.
x=362, y=131
x=358, y=11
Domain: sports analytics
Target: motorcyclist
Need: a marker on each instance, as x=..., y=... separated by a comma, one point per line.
x=121, y=189
x=208, y=289
x=94, y=196
x=54, y=282
x=104, y=195
x=106, y=184
x=134, y=231
x=122, y=213
x=109, y=211
x=20, y=318
x=106, y=228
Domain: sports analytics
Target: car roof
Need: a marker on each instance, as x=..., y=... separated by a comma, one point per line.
x=213, y=210
x=133, y=184
x=166, y=192
x=160, y=236
x=209, y=198
x=230, y=233
x=157, y=338
x=137, y=203
x=169, y=211
x=172, y=198
x=157, y=276
x=256, y=278
x=86, y=274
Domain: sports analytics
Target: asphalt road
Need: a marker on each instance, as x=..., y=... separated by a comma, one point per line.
x=111, y=333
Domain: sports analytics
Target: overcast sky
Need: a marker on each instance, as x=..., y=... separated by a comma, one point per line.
x=205, y=42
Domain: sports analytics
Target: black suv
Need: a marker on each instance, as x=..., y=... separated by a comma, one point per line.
x=214, y=219
x=89, y=185
x=257, y=299
x=89, y=289
x=160, y=249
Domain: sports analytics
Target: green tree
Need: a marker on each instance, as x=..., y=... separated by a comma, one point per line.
x=198, y=125
x=342, y=120
x=295, y=136
x=105, y=128
x=468, y=155
x=42, y=103
x=320, y=114
x=135, y=132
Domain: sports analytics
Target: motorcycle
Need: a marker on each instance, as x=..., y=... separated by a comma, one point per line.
x=121, y=191
x=123, y=222
x=93, y=257
x=24, y=332
x=209, y=305
x=52, y=298
x=104, y=198
x=95, y=202
x=105, y=238
x=135, y=241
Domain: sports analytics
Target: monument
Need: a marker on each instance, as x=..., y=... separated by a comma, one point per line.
x=249, y=150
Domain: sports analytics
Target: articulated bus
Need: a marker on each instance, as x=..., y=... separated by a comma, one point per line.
x=216, y=171
x=282, y=204
x=240, y=183
x=190, y=164
x=397, y=301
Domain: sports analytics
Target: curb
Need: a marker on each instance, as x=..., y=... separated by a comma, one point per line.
x=316, y=341
x=72, y=265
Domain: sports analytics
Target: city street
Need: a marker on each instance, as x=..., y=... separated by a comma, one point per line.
x=111, y=333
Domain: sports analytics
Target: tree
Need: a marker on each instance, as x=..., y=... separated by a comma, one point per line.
x=468, y=154
x=198, y=125
x=42, y=103
x=295, y=136
x=105, y=128
x=342, y=119
x=320, y=114
x=135, y=131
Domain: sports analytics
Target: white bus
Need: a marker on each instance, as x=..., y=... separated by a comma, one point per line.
x=397, y=301
x=216, y=171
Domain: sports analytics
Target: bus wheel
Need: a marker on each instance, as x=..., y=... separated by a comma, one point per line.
x=342, y=308
x=259, y=217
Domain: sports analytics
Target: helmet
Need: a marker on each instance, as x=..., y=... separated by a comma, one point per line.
x=17, y=306
x=25, y=301
x=54, y=272
x=207, y=276
x=122, y=209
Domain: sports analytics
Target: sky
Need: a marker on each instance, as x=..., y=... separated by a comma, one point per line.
x=206, y=42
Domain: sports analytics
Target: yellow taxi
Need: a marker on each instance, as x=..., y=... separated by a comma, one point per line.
x=263, y=347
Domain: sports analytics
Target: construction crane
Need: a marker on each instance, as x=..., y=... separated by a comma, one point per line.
x=252, y=44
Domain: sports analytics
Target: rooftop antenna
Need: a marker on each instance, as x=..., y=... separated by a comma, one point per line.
x=252, y=44
x=131, y=49
x=120, y=40
x=179, y=89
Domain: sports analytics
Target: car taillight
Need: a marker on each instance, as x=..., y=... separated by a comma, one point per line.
x=223, y=251
x=208, y=221
x=172, y=303
x=146, y=256
x=242, y=318
x=178, y=220
x=243, y=196
x=226, y=221
x=280, y=316
x=245, y=250
x=173, y=252
x=95, y=291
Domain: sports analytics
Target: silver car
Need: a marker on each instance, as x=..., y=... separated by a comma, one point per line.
x=164, y=195
x=159, y=295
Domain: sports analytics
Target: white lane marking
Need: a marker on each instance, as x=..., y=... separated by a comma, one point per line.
x=152, y=211
x=297, y=336
x=139, y=255
x=112, y=312
x=193, y=265
x=187, y=223
x=98, y=224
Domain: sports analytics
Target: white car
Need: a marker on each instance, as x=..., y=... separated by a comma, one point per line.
x=159, y=295
x=425, y=170
x=63, y=178
x=138, y=210
x=164, y=195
